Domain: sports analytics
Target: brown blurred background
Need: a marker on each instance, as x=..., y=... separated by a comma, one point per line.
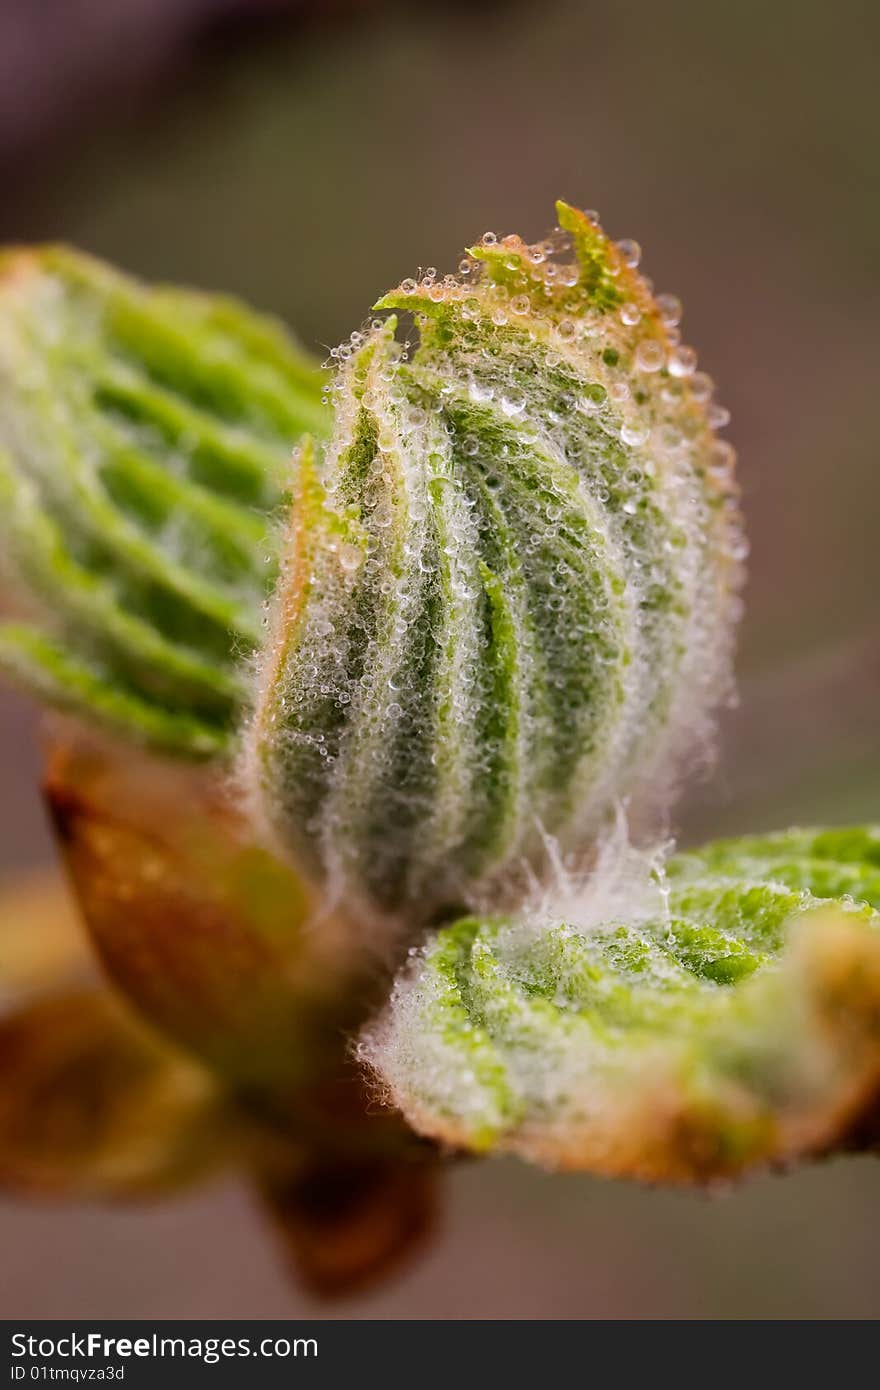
x=307, y=155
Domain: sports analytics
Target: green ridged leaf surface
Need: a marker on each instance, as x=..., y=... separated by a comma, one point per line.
x=510, y=583
x=145, y=437
x=719, y=1013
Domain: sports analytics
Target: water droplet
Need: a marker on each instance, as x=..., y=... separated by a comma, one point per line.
x=669, y=308
x=682, y=361
x=722, y=457
x=634, y=433
x=513, y=404
x=630, y=251
x=669, y=438
x=350, y=557
x=480, y=392
x=650, y=355
x=702, y=386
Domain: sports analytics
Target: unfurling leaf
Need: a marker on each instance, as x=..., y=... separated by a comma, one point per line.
x=502, y=607
x=509, y=584
x=144, y=444
x=730, y=1017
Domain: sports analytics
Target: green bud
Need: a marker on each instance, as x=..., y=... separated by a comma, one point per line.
x=718, y=1015
x=144, y=444
x=509, y=586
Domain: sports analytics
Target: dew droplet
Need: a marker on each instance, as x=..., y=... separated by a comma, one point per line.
x=350, y=557
x=634, y=433
x=650, y=355
x=669, y=438
x=630, y=252
x=722, y=457
x=669, y=308
x=480, y=392
x=702, y=386
x=513, y=404
x=682, y=361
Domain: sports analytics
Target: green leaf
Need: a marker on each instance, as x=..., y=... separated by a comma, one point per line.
x=145, y=437
x=521, y=604
x=729, y=1017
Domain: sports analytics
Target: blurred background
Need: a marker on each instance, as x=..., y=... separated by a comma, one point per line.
x=307, y=155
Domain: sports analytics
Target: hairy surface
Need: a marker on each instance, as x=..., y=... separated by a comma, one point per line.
x=679, y=1024
x=144, y=444
x=510, y=581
